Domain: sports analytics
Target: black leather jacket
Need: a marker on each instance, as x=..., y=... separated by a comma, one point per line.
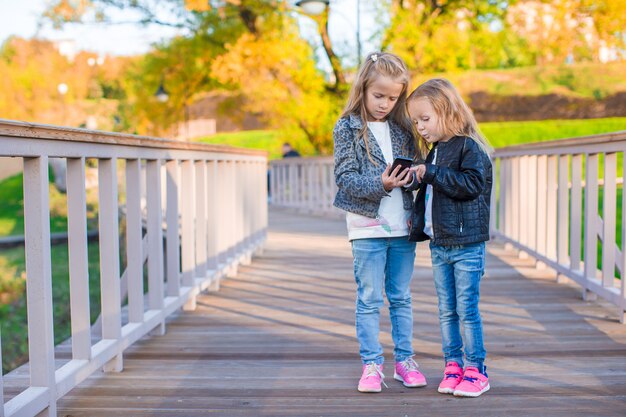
x=461, y=179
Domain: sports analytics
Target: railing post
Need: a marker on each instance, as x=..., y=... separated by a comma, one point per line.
x=212, y=215
x=187, y=240
x=134, y=241
x=155, y=239
x=39, y=278
x=201, y=215
x=78, y=259
x=493, y=224
x=109, y=257
x=608, y=220
x=506, y=187
x=172, y=233
x=591, y=223
x=576, y=213
x=541, y=204
x=563, y=213
x=622, y=318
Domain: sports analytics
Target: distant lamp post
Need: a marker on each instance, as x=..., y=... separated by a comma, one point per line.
x=161, y=93
x=313, y=7
x=317, y=7
x=62, y=88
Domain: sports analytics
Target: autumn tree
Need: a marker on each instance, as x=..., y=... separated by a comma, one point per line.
x=434, y=36
x=33, y=69
x=249, y=47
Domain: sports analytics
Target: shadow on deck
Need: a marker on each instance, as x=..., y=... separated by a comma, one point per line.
x=279, y=340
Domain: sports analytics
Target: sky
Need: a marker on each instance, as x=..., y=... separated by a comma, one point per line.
x=22, y=18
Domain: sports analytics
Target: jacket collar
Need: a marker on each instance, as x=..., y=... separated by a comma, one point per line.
x=395, y=132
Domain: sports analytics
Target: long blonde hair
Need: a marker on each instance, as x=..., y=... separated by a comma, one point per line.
x=455, y=118
x=388, y=65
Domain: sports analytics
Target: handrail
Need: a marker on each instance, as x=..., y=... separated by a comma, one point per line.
x=560, y=146
x=212, y=198
x=13, y=128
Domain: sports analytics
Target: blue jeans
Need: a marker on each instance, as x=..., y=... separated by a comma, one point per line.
x=457, y=271
x=384, y=262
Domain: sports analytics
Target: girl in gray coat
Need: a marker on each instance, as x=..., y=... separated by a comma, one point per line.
x=373, y=130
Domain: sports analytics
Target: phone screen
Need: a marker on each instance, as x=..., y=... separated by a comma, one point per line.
x=403, y=162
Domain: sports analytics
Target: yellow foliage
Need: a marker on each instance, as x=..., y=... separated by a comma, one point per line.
x=278, y=76
x=197, y=5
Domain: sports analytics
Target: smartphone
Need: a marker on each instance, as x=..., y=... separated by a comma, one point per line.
x=403, y=162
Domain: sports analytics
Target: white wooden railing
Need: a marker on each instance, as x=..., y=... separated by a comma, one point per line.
x=210, y=200
x=540, y=209
x=305, y=184
x=537, y=205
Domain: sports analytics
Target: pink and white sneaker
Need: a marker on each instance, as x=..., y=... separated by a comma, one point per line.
x=452, y=376
x=407, y=373
x=372, y=378
x=473, y=384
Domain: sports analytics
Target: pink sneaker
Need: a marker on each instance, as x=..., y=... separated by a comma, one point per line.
x=474, y=383
x=452, y=376
x=372, y=378
x=407, y=373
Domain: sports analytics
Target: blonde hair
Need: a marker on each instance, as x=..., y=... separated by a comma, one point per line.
x=455, y=118
x=388, y=65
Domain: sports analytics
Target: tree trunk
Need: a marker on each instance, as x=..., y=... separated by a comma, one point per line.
x=322, y=25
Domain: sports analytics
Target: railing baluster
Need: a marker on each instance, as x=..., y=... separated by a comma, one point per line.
x=623, y=260
x=78, y=259
x=563, y=211
x=551, y=208
x=508, y=197
x=498, y=201
x=187, y=239
x=201, y=215
x=591, y=222
x=212, y=214
x=155, y=236
x=109, y=257
x=134, y=239
x=531, y=201
x=576, y=213
x=39, y=278
x=608, y=220
x=172, y=233
x=541, y=204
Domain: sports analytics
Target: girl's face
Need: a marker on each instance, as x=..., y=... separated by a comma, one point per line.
x=381, y=97
x=426, y=121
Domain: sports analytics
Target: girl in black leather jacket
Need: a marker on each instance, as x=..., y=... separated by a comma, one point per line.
x=452, y=210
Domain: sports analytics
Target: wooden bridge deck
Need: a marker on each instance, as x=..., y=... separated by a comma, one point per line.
x=279, y=340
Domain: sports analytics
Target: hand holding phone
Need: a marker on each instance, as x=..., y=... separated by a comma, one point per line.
x=402, y=162
x=395, y=175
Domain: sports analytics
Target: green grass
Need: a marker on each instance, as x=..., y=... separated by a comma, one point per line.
x=12, y=207
x=267, y=140
x=514, y=133
x=13, y=322
x=499, y=134
x=575, y=80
